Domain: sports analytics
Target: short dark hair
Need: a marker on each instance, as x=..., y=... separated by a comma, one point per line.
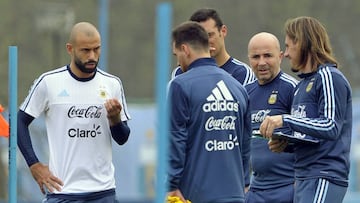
x=204, y=14
x=191, y=33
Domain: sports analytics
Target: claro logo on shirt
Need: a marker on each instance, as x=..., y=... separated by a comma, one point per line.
x=84, y=133
x=222, y=145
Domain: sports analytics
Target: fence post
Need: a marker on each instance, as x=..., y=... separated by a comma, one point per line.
x=13, y=123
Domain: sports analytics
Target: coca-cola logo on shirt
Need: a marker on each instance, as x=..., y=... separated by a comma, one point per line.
x=89, y=112
x=226, y=123
x=259, y=116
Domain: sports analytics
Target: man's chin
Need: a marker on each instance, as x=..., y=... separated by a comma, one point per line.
x=87, y=70
x=90, y=70
x=294, y=70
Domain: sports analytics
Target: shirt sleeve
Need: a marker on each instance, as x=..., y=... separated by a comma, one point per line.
x=246, y=143
x=24, y=140
x=120, y=132
x=179, y=115
x=36, y=101
x=125, y=115
x=333, y=94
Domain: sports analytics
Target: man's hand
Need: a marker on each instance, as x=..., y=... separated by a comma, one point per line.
x=269, y=124
x=277, y=145
x=113, y=108
x=246, y=189
x=177, y=193
x=44, y=177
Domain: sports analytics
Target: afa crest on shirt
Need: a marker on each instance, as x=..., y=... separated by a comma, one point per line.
x=309, y=86
x=102, y=92
x=273, y=97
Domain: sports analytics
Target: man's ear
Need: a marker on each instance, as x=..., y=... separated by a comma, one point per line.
x=69, y=48
x=223, y=30
x=281, y=56
x=186, y=49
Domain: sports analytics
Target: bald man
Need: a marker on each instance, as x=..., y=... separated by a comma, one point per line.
x=85, y=110
x=272, y=173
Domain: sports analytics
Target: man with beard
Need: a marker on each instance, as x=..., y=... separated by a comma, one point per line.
x=84, y=109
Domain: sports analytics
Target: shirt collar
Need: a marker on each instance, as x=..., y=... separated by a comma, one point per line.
x=202, y=62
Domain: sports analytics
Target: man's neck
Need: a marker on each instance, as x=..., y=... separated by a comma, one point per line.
x=309, y=67
x=222, y=58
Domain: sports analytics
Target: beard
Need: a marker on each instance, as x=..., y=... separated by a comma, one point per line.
x=82, y=66
x=295, y=67
x=294, y=70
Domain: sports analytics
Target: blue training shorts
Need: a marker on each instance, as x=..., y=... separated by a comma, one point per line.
x=318, y=190
x=283, y=194
x=107, y=196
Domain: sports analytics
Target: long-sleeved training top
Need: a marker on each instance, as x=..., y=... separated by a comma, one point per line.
x=322, y=108
x=210, y=134
x=270, y=170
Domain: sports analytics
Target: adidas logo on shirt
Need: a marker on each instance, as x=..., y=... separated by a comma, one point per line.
x=220, y=99
x=63, y=93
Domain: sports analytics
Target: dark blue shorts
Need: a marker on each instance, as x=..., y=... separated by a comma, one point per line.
x=107, y=196
x=283, y=194
x=318, y=190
